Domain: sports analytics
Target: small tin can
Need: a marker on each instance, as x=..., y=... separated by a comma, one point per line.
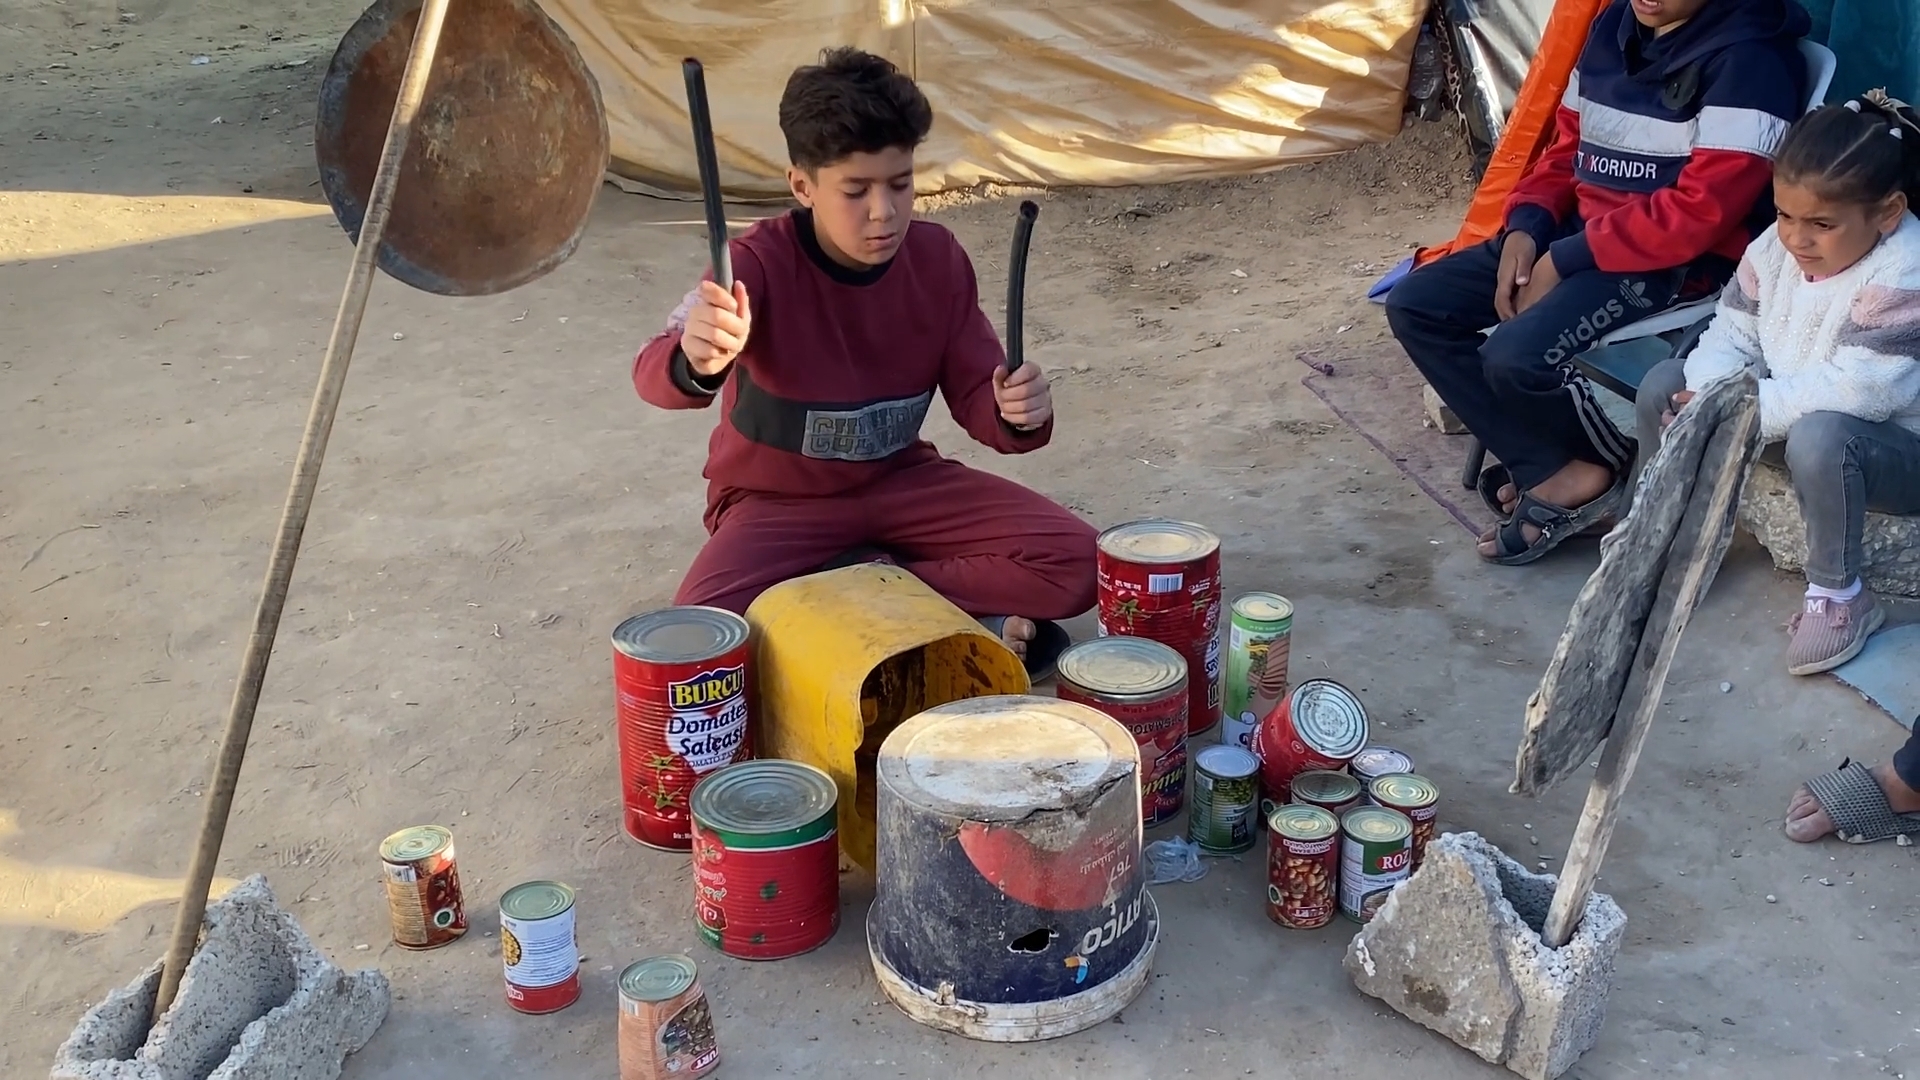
x=1334, y=792
x=682, y=686
x=1376, y=854
x=666, y=1025
x=423, y=887
x=1222, y=817
x=1160, y=579
x=1303, y=867
x=1259, y=639
x=1415, y=796
x=538, y=944
x=766, y=859
x=1374, y=762
x=1142, y=684
x=1319, y=725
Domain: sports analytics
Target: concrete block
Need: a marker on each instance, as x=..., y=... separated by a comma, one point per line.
x=1457, y=949
x=1439, y=417
x=258, y=1002
x=1890, y=545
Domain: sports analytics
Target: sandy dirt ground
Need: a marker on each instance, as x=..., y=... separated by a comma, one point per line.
x=496, y=499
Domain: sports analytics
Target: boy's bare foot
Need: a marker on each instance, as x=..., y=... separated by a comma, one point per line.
x=1807, y=820
x=1017, y=632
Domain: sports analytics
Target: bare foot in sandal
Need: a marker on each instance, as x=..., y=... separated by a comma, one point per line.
x=1017, y=633
x=1574, y=486
x=1808, y=821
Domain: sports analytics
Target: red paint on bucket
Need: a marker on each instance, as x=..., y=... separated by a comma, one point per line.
x=1161, y=580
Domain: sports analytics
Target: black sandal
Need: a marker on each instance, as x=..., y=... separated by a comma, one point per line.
x=1557, y=524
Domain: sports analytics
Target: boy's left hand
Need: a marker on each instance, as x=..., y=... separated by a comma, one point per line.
x=1545, y=277
x=1024, y=399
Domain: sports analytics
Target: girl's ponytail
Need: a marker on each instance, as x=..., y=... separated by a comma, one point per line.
x=1903, y=124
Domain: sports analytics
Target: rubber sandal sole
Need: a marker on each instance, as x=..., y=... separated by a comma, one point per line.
x=1858, y=807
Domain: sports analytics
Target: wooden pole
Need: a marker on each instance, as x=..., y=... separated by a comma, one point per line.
x=293, y=518
x=1695, y=555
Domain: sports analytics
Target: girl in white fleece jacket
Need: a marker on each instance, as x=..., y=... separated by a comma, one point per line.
x=1825, y=312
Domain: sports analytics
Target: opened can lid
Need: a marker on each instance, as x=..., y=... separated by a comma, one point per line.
x=680, y=635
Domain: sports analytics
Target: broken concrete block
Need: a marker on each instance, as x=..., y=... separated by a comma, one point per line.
x=258, y=1002
x=1457, y=949
x=1890, y=545
x=1439, y=417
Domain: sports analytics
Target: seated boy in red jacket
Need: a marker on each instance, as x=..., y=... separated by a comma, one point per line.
x=846, y=317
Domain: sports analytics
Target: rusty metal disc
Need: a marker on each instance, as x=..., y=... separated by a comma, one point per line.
x=508, y=150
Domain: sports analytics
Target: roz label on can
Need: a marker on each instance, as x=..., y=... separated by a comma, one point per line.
x=1374, y=762
x=1334, y=792
x=1259, y=636
x=682, y=684
x=766, y=859
x=423, y=887
x=1160, y=580
x=1142, y=684
x=666, y=1025
x=1376, y=854
x=1415, y=796
x=538, y=945
x=1319, y=725
x=1225, y=794
x=1303, y=867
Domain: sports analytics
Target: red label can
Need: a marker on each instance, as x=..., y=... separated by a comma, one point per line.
x=423, y=887
x=766, y=859
x=1303, y=867
x=1320, y=725
x=1142, y=684
x=1415, y=796
x=1160, y=580
x=682, y=685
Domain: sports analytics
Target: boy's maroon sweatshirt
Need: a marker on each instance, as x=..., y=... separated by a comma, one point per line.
x=840, y=366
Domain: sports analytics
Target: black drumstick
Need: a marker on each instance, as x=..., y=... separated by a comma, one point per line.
x=709, y=173
x=1017, y=284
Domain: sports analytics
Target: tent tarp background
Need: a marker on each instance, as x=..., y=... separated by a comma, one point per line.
x=1097, y=92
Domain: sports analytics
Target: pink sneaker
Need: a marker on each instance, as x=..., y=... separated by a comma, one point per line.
x=1831, y=632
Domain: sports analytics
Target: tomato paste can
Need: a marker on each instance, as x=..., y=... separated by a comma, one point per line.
x=1160, y=579
x=1374, y=762
x=1334, y=792
x=423, y=887
x=1259, y=639
x=682, y=684
x=1376, y=854
x=666, y=1025
x=1142, y=684
x=1223, y=816
x=538, y=944
x=1318, y=725
x=766, y=859
x=1415, y=796
x=1303, y=866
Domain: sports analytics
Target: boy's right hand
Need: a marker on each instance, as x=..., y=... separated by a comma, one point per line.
x=1518, y=253
x=717, y=327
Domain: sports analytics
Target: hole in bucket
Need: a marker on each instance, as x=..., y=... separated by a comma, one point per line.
x=1033, y=941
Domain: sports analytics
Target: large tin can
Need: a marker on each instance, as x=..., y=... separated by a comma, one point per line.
x=766, y=859
x=1142, y=684
x=538, y=945
x=1415, y=796
x=1223, y=817
x=1259, y=640
x=1376, y=854
x=1160, y=579
x=666, y=1025
x=682, y=681
x=423, y=887
x=1334, y=792
x=1303, y=867
x=1374, y=762
x=1319, y=725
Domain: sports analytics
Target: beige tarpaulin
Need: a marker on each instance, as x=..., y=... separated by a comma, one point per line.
x=1025, y=91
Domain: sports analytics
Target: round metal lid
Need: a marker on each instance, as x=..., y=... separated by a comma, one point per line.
x=763, y=797
x=1380, y=760
x=1227, y=762
x=658, y=978
x=999, y=757
x=1159, y=540
x=1322, y=786
x=1376, y=824
x=1123, y=667
x=416, y=843
x=1329, y=718
x=1263, y=607
x=1404, y=789
x=680, y=635
x=1305, y=823
x=531, y=901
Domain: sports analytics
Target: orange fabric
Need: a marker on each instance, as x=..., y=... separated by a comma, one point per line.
x=1529, y=127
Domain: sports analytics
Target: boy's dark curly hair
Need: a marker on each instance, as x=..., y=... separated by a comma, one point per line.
x=852, y=102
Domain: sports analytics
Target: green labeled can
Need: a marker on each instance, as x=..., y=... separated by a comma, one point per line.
x=1259, y=639
x=1376, y=854
x=1221, y=809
